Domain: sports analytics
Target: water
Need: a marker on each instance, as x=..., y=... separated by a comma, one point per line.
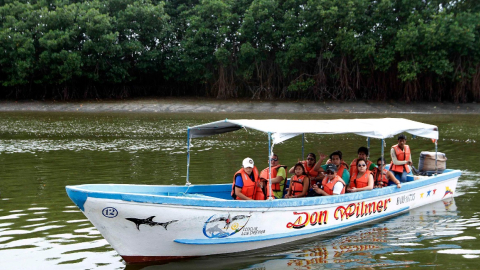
x=41, y=153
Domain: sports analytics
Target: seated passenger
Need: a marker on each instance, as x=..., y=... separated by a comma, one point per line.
x=312, y=172
x=309, y=165
x=363, y=179
x=299, y=183
x=278, y=177
x=332, y=184
x=342, y=167
x=382, y=177
x=362, y=154
x=246, y=183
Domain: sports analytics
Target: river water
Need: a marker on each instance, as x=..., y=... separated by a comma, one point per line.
x=41, y=153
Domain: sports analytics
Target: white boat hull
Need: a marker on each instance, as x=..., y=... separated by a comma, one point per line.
x=141, y=231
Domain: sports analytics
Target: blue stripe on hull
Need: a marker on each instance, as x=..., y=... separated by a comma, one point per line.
x=284, y=235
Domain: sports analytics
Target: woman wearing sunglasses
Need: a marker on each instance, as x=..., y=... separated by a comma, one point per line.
x=311, y=169
x=362, y=179
x=309, y=166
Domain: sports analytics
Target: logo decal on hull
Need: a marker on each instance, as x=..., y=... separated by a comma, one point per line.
x=221, y=226
x=447, y=191
x=149, y=221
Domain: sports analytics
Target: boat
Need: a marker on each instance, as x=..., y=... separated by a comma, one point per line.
x=148, y=223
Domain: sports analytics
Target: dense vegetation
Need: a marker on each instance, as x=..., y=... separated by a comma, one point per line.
x=315, y=49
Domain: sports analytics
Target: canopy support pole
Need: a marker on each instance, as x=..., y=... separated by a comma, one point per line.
x=368, y=144
x=436, y=154
x=303, y=146
x=188, y=158
x=383, y=143
x=270, y=166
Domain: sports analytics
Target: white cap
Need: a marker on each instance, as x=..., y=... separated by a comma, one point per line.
x=247, y=163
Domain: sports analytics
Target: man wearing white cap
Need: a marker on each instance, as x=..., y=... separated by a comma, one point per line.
x=246, y=183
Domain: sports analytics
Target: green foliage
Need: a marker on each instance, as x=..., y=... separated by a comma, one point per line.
x=320, y=48
x=301, y=86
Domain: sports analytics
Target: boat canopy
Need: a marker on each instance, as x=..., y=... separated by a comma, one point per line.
x=282, y=130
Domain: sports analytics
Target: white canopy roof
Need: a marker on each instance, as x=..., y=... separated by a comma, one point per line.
x=282, y=130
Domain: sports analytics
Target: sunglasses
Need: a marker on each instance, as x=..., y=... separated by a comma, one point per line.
x=362, y=165
x=379, y=165
x=310, y=158
x=274, y=159
x=330, y=172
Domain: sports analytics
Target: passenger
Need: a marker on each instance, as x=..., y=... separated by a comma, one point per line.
x=362, y=154
x=309, y=166
x=382, y=177
x=278, y=177
x=363, y=179
x=401, y=158
x=246, y=183
x=299, y=183
x=332, y=184
x=342, y=161
x=342, y=167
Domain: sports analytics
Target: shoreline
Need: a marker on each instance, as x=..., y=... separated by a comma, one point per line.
x=204, y=105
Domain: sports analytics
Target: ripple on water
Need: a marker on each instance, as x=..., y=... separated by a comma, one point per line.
x=15, y=216
x=459, y=251
x=38, y=208
x=77, y=221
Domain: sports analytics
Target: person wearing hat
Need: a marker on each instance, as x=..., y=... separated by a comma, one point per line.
x=332, y=184
x=342, y=167
x=401, y=159
x=246, y=182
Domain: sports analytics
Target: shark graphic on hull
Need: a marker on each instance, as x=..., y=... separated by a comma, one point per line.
x=149, y=221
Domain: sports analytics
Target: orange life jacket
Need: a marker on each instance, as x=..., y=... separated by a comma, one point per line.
x=360, y=182
x=354, y=168
x=297, y=183
x=328, y=187
x=380, y=177
x=309, y=170
x=401, y=156
x=250, y=188
x=340, y=168
x=264, y=176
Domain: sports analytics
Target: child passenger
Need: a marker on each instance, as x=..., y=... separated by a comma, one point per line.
x=382, y=177
x=299, y=183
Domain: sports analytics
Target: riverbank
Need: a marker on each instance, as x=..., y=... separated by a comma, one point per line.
x=192, y=105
